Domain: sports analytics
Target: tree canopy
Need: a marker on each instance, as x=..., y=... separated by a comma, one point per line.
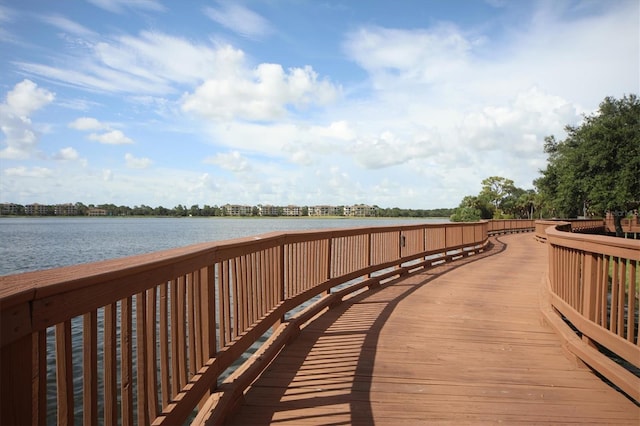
x=499, y=198
x=596, y=168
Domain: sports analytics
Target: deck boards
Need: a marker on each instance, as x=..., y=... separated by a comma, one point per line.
x=461, y=343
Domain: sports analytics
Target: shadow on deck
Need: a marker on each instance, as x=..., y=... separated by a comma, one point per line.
x=467, y=346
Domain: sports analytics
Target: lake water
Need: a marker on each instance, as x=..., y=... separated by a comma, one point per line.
x=29, y=244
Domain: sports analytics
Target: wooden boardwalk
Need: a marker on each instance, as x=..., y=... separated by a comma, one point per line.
x=462, y=343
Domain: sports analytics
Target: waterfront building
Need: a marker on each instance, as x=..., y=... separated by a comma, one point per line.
x=237, y=210
x=292, y=210
x=267, y=210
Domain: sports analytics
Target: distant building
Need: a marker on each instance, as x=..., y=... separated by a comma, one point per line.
x=268, y=210
x=237, y=210
x=9, y=208
x=65, y=209
x=324, y=211
x=96, y=212
x=292, y=210
x=359, y=210
x=36, y=209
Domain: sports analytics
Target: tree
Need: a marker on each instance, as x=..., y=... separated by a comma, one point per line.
x=596, y=168
x=496, y=188
x=81, y=209
x=465, y=214
x=473, y=208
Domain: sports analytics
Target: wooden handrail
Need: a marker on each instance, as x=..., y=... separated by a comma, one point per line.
x=573, y=225
x=160, y=329
x=594, y=282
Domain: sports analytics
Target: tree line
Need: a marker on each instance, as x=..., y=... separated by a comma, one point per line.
x=595, y=170
x=81, y=209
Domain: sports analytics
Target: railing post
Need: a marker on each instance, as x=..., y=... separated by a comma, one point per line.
x=15, y=382
x=589, y=289
x=281, y=266
x=369, y=252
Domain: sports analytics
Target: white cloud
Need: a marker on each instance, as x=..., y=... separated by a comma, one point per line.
x=66, y=24
x=264, y=94
x=388, y=149
x=26, y=98
x=109, y=137
x=520, y=126
x=21, y=136
x=418, y=55
x=67, y=154
x=88, y=123
x=152, y=63
x=239, y=19
x=114, y=137
x=118, y=6
x=137, y=163
x=233, y=161
x=34, y=172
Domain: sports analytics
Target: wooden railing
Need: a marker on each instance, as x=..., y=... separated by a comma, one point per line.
x=502, y=226
x=587, y=226
x=594, y=283
x=629, y=225
x=147, y=339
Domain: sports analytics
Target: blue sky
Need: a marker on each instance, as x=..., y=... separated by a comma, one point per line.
x=395, y=103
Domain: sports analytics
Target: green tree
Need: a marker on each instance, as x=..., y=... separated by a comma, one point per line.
x=81, y=209
x=195, y=210
x=502, y=194
x=596, y=168
x=473, y=208
x=465, y=214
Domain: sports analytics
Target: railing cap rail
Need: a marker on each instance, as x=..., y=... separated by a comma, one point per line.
x=614, y=246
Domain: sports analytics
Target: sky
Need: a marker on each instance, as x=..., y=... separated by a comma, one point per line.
x=405, y=103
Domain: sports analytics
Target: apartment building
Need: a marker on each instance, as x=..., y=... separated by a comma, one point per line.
x=9, y=208
x=36, y=209
x=324, y=211
x=359, y=210
x=268, y=210
x=96, y=212
x=65, y=209
x=237, y=210
x=292, y=210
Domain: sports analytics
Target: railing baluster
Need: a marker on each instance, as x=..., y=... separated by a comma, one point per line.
x=182, y=338
x=175, y=359
x=110, y=366
x=165, y=381
x=126, y=362
x=141, y=356
x=622, y=297
x=615, y=288
x=64, y=373
x=199, y=276
x=39, y=367
x=90, y=368
x=191, y=325
x=631, y=295
x=152, y=355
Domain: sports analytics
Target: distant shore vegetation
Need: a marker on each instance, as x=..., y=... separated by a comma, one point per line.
x=228, y=210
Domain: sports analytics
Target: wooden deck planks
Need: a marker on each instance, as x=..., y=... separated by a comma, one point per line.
x=461, y=343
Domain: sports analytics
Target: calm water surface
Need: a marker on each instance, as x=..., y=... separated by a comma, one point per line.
x=29, y=244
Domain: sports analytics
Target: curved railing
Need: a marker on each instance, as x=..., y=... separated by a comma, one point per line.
x=148, y=338
x=594, y=283
x=504, y=226
x=587, y=226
